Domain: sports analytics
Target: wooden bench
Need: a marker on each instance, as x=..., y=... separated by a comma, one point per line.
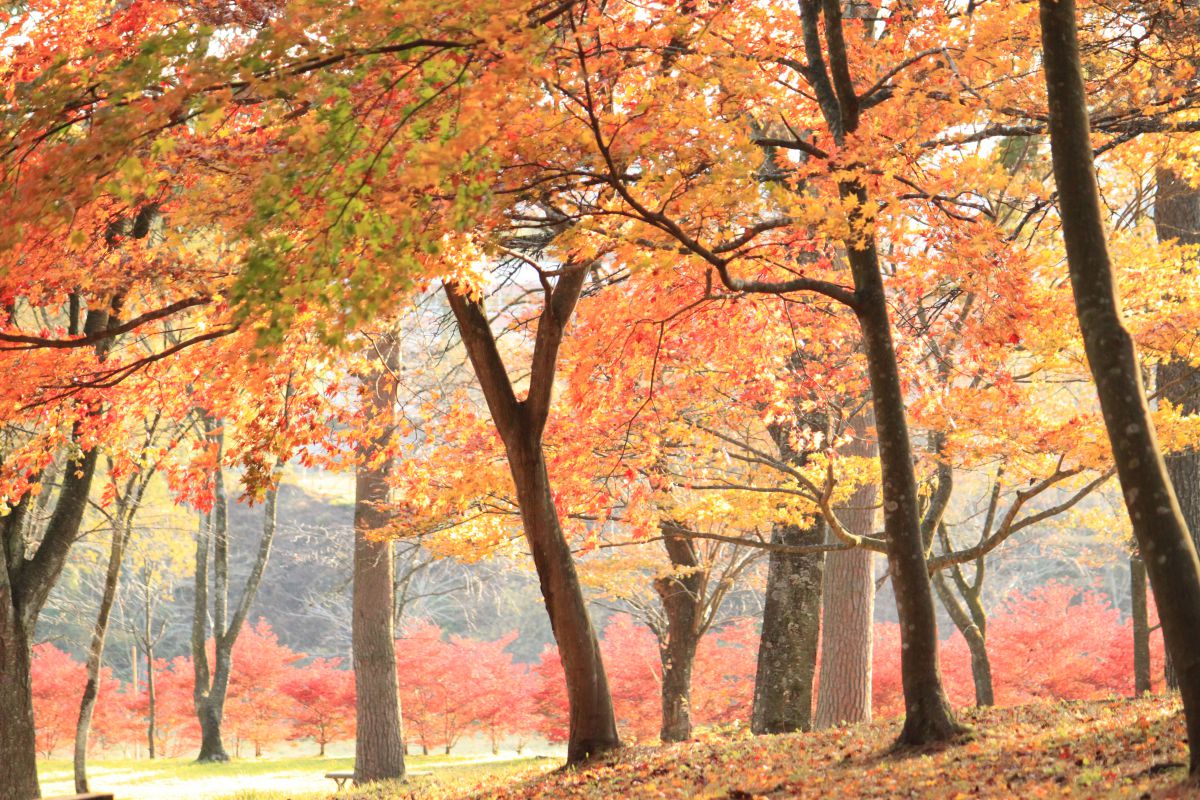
x=340, y=778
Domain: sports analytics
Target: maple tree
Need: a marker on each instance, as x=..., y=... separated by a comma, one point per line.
x=323, y=693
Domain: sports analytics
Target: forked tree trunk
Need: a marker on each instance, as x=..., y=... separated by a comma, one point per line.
x=212, y=681
x=975, y=636
x=593, y=727
x=682, y=599
x=25, y=584
x=928, y=717
x=787, y=650
x=1158, y=523
x=848, y=604
x=378, y=741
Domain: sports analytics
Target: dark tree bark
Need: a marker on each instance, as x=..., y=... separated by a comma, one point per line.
x=787, y=650
x=1158, y=523
x=1141, y=625
x=212, y=681
x=848, y=604
x=791, y=621
x=378, y=741
x=1177, y=218
x=682, y=596
x=18, y=749
x=928, y=717
x=520, y=424
x=151, y=691
x=25, y=584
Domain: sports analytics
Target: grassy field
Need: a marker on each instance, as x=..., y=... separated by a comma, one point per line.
x=271, y=778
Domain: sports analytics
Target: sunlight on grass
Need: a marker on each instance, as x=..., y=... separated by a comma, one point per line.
x=280, y=778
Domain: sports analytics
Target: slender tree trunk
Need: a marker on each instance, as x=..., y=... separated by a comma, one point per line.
x=1177, y=217
x=928, y=717
x=682, y=596
x=211, y=687
x=848, y=604
x=378, y=740
x=787, y=650
x=1158, y=523
x=95, y=657
x=1141, y=626
x=152, y=703
x=981, y=665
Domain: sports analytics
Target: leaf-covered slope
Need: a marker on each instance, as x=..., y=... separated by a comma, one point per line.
x=1118, y=748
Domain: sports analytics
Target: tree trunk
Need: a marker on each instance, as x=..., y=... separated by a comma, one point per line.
x=981, y=665
x=209, y=712
x=848, y=604
x=378, y=746
x=928, y=717
x=593, y=727
x=682, y=595
x=1177, y=217
x=208, y=693
x=212, y=686
x=787, y=650
x=1158, y=523
x=25, y=584
x=95, y=657
x=847, y=646
x=1141, y=626
x=152, y=702
x=18, y=752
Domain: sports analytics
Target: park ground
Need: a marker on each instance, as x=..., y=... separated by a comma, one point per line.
x=1095, y=749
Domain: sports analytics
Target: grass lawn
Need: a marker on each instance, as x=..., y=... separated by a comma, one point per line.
x=265, y=778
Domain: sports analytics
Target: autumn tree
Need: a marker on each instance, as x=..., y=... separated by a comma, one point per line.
x=258, y=707
x=323, y=696
x=1158, y=523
